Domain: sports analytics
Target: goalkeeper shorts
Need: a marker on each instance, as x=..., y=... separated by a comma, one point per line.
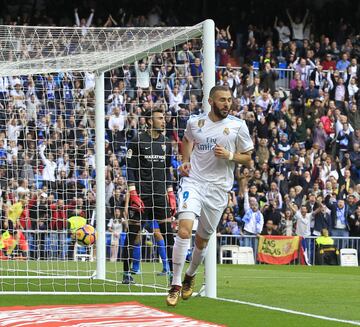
x=206, y=201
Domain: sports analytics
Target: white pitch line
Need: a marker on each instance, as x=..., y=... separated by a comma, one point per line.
x=268, y=277
x=268, y=307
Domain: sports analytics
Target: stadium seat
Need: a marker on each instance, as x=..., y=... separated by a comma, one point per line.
x=256, y=64
x=245, y=256
x=233, y=249
x=349, y=257
x=282, y=66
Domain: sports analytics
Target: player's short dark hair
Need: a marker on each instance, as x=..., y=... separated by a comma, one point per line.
x=218, y=88
x=150, y=112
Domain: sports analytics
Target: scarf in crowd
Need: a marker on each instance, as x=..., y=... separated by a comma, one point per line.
x=340, y=214
x=248, y=214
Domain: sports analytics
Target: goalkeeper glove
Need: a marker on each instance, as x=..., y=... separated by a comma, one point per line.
x=172, y=202
x=135, y=202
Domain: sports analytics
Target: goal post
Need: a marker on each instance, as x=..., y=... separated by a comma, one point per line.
x=209, y=82
x=67, y=50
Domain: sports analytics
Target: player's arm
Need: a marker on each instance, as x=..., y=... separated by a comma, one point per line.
x=132, y=159
x=186, y=147
x=243, y=148
x=169, y=188
x=237, y=157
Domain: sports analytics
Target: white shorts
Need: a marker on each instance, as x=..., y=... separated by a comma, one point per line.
x=206, y=201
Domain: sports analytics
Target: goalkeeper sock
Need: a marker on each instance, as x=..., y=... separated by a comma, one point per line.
x=196, y=260
x=136, y=257
x=179, y=254
x=162, y=254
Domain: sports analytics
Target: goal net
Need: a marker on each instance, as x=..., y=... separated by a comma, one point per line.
x=71, y=102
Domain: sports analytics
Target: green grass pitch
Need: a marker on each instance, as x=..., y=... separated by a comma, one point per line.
x=327, y=291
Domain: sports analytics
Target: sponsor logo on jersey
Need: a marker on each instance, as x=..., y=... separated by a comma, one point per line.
x=154, y=157
x=208, y=145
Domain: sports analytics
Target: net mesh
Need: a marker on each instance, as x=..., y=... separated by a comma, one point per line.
x=47, y=148
x=33, y=50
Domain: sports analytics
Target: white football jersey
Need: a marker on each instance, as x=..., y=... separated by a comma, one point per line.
x=231, y=132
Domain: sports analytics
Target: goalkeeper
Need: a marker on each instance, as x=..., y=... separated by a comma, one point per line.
x=73, y=224
x=152, y=202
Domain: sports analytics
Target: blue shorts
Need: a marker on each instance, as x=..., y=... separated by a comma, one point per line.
x=150, y=225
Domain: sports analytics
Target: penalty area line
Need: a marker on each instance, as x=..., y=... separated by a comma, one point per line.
x=299, y=313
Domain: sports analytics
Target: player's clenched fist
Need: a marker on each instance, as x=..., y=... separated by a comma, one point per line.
x=221, y=152
x=135, y=202
x=185, y=169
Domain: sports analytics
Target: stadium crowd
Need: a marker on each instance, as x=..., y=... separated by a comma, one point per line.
x=305, y=172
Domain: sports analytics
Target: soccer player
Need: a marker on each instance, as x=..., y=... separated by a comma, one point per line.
x=152, y=201
x=73, y=224
x=213, y=143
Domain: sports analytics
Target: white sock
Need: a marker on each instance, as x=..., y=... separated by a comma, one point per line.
x=181, y=247
x=197, y=258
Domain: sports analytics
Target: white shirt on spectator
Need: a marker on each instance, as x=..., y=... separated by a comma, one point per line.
x=116, y=225
x=143, y=77
x=117, y=122
x=49, y=166
x=303, y=224
x=12, y=152
x=284, y=33
x=83, y=27
x=4, y=85
x=13, y=132
x=340, y=93
x=253, y=226
x=115, y=100
x=19, y=98
x=89, y=81
x=175, y=100
x=298, y=31
x=62, y=166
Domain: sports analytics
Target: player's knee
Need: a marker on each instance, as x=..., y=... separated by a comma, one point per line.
x=200, y=242
x=184, y=233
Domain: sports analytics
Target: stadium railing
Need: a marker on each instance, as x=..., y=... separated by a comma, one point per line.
x=285, y=76
x=252, y=241
x=56, y=245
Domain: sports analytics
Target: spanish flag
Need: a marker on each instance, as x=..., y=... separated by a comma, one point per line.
x=278, y=250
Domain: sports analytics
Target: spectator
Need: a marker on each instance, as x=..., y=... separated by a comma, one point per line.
x=253, y=219
x=354, y=223
x=303, y=222
x=283, y=30
x=268, y=76
x=83, y=23
x=143, y=72
x=339, y=216
x=115, y=227
x=298, y=28
x=269, y=229
x=304, y=67
x=343, y=64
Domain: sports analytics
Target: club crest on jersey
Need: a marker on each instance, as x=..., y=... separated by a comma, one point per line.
x=226, y=131
x=184, y=206
x=163, y=146
x=129, y=154
x=201, y=124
